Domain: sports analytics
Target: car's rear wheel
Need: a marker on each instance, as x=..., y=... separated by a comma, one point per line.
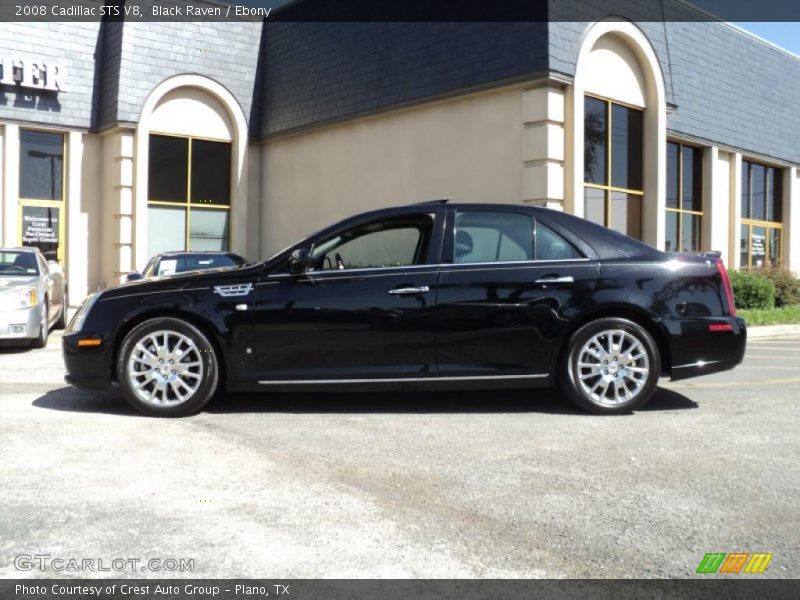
x=610, y=366
x=167, y=367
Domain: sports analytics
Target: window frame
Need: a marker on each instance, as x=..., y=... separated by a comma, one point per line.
x=188, y=204
x=751, y=223
x=680, y=211
x=60, y=203
x=608, y=188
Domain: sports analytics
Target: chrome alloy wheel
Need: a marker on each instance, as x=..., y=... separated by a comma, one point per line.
x=613, y=367
x=165, y=368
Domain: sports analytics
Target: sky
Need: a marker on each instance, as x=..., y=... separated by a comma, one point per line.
x=785, y=34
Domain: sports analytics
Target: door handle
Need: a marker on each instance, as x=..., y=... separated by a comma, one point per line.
x=556, y=279
x=405, y=291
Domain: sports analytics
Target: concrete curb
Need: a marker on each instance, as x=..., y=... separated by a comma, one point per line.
x=768, y=331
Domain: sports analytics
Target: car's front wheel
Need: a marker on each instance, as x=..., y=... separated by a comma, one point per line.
x=167, y=367
x=610, y=366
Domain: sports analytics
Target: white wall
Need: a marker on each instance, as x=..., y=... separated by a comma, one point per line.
x=468, y=149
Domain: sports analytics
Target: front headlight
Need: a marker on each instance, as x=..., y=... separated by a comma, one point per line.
x=19, y=298
x=80, y=316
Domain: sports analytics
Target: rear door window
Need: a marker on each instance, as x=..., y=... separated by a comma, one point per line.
x=485, y=236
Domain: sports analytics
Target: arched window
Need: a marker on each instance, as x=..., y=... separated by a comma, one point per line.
x=189, y=173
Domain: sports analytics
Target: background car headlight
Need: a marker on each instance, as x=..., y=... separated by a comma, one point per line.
x=80, y=316
x=19, y=298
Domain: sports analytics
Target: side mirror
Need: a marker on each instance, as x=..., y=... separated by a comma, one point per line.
x=55, y=267
x=300, y=260
x=133, y=277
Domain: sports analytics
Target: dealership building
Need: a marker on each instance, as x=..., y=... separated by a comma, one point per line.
x=122, y=138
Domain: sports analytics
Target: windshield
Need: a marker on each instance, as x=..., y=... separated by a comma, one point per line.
x=18, y=263
x=170, y=265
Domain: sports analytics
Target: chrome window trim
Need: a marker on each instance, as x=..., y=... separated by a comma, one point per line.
x=400, y=379
x=457, y=266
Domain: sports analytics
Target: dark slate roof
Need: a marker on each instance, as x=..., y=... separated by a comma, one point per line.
x=321, y=72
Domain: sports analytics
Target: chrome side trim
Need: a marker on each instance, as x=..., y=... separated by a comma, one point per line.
x=698, y=364
x=398, y=379
x=179, y=290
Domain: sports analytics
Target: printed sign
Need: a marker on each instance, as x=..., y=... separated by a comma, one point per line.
x=40, y=228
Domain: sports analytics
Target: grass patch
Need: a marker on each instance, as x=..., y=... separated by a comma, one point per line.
x=771, y=316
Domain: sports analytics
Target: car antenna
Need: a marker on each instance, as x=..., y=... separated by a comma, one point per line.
x=436, y=201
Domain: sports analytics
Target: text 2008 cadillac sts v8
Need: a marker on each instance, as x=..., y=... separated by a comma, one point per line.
x=425, y=296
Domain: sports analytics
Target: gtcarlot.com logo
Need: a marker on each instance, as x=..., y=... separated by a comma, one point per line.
x=47, y=562
x=734, y=562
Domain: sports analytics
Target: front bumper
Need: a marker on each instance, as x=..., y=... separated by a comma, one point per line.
x=695, y=350
x=21, y=324
x=86, y=367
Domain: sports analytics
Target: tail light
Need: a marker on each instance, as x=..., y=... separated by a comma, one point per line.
x=726, y=282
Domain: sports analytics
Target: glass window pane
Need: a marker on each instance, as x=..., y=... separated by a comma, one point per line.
x=168, y=168
x=759, y=246
x=759, y=197
x=673, y=151
x=493, y=236
x=744, y=247
x=594, y=205
x=551, y=246
x=774, y=195
x=671, y=244
x=774, y=247
x=692, y=178
x=211, y=172
x=166, y=229
x=626, y=147
x=690, y=240
x=41, y=165
x=208, y=229
x=595, y=130
x=745, y=197
x=626, y=216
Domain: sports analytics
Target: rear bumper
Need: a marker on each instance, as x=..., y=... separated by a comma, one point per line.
x=697, y=351
x=86, y=367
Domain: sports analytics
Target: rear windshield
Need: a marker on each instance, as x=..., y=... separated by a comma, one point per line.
x=18, y=263
x=178, y=264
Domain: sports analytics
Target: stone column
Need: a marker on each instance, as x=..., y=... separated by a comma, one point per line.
x=716, y=201
x=543, y=147
x=10, y=206
x=118, y=210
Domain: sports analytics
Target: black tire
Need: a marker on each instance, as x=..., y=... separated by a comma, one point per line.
x=208, y=369
x=584, y=385
x=44, y=330
x=61, y=323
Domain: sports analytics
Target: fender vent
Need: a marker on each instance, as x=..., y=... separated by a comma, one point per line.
x=231, y=291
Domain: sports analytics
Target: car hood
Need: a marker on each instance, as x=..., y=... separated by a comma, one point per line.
x=17, y=281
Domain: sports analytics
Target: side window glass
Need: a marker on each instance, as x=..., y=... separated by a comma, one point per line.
x=388, y=243
x=552, y=246
x=482, y=236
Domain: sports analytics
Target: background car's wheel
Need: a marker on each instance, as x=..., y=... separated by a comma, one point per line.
x=44, y=330
x=167, y=367
x=62, y=318
x=610, y=366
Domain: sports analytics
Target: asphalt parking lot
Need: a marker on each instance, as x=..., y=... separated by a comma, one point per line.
x=479, y=484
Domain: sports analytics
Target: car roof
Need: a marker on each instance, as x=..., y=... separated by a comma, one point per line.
x=27, y=249
x=185, y=252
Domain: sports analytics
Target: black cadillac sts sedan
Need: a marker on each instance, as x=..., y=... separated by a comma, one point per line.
x=429, y=296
